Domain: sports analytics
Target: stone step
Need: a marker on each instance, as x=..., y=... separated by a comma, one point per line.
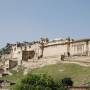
x=85, y=61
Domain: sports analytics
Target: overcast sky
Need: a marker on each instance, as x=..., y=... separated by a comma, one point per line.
x=27, y=20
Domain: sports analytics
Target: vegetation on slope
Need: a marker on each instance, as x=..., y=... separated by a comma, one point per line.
x=5, y=50
x=41, y=82
x=79, y=74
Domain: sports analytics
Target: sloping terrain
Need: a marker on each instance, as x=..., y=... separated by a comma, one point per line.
x=79, y=74
x=81, y=60
x=77, y=67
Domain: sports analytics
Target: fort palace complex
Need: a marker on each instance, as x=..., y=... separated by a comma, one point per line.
x=44, y=48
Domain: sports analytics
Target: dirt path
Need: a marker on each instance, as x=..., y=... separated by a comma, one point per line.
x=44, y=62
x=79, y=63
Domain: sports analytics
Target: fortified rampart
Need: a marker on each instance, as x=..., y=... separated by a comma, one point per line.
x=74, y=47
x=46, y=48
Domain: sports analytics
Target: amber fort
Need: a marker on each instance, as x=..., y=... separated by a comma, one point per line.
x=24, y=52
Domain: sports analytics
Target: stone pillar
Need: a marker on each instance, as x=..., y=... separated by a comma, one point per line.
x=82, y=49
x=19, y=62
x=6, y=66
x=87, y=48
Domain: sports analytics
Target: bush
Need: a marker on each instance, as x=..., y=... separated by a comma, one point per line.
x=67, y=82
x=38, y=82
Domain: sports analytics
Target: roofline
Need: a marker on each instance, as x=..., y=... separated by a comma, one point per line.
x=76, y=41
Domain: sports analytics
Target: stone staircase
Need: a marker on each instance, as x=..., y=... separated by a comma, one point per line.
x=41, y=62
x=81, y=60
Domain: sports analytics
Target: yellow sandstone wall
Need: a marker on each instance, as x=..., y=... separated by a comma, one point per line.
x=78, y=48
x=56, y=50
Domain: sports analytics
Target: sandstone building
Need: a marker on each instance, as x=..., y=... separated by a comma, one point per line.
x=45, y=48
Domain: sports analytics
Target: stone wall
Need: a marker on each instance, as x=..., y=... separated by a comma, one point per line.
x=79, y=47
x=54, y=48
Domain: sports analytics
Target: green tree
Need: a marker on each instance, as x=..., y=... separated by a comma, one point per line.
x=38, y=82
x=6, y=49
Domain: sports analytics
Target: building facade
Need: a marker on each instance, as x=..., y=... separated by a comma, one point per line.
x=46, y=48
x=63, y=47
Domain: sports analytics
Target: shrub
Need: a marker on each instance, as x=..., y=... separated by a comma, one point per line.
x=67, y=82
x=38, y=82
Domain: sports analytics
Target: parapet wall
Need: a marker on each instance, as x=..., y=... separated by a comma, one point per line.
x=54, y=48
x=78, y=47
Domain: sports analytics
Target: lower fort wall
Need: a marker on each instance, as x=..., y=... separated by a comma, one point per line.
x=79, y=47
x=55, y=50
x=75, y=48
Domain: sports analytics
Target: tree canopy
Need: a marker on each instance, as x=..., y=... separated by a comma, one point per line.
x=6, y=49
x=39, y=82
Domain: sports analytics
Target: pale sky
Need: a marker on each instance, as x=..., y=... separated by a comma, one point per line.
x=28, y=20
